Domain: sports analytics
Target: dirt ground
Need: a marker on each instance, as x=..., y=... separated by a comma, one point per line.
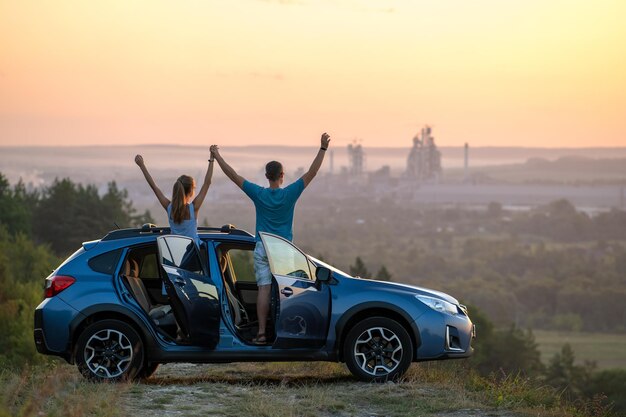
x=285, y=389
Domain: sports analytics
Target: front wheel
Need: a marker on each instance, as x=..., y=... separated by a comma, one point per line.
x=109, y=350
x=378, y=349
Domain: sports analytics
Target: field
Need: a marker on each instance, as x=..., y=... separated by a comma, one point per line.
x=276, y=390
x=608, y=350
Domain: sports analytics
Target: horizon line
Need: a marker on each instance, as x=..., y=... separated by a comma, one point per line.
x=174, y=145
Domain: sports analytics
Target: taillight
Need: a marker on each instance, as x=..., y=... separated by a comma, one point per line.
x=57, y=283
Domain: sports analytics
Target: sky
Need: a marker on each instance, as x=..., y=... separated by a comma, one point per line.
x=530, y=73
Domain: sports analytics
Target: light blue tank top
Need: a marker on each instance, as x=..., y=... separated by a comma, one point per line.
x=187, y=227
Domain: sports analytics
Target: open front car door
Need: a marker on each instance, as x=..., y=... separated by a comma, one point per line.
x=304, y=309
x=191, y=291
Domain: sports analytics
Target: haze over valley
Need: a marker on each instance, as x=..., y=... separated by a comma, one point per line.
x=593, y=178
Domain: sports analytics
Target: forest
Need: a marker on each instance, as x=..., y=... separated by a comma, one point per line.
x=552, y=267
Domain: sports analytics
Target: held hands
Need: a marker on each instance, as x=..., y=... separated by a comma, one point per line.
x=139, y=160
x=215, y=152
x=325, y=140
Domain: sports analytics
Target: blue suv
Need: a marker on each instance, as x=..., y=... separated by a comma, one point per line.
x=122, y=305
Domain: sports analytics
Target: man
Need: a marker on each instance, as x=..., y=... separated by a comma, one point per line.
x=274, y=214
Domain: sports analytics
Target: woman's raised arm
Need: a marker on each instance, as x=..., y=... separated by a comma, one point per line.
x=157, y=191
x=197, y=202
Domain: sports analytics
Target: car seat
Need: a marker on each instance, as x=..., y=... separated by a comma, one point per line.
x=160, y=314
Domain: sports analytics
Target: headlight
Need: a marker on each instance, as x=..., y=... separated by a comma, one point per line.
x=438, y=304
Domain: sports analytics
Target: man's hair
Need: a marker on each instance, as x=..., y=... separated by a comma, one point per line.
x=273, y=169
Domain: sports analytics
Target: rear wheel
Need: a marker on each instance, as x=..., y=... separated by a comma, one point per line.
x=109, y=350
x=378, y=349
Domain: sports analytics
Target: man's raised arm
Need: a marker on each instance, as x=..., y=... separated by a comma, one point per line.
x=317, y=162
x=228, y=170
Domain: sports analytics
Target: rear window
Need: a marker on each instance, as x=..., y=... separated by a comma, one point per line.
x=105, y=263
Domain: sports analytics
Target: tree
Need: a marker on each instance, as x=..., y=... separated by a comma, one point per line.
x=23, y=267
x=564, y=375
x=383, y=274
x=503, y=352
x=359, y=269
x=16, y=206
x=120, y=210
x=69, y=214
x=612, y=383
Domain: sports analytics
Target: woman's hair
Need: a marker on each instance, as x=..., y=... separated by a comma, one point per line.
x=273, y=169
x=182, y=187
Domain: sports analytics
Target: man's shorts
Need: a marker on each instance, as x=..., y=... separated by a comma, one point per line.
x=261, y=266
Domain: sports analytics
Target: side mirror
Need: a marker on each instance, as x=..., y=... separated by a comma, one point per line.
x=323, y=274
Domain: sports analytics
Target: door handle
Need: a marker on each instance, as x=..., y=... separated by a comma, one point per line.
x=286, y=292
x=179, y=281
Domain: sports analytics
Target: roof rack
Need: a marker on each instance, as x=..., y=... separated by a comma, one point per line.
x=150, y=228
x=231, y=229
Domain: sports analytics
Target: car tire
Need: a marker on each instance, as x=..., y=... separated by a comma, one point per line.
x=109, y=350
x=149, y=368
x=378, y=349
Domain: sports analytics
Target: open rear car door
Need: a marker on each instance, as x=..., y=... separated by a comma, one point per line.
x=191, y=291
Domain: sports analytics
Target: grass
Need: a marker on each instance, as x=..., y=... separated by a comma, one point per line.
x=608, y=350
x=327, y=389
x=57, y=390
x=277, y=390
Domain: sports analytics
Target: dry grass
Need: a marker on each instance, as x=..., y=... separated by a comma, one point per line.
x=275, y=390
x=56, y=391
x=327, y=389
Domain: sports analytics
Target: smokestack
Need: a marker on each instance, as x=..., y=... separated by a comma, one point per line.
x=466, y=166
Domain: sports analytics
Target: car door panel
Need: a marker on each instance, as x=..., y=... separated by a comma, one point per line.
x=303, y=313
x=302, y=316
x=192, y=294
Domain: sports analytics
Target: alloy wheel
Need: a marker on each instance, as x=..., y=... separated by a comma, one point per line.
x=108, y=353
x=378, y=351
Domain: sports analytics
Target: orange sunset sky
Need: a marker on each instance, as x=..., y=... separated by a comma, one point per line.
x=548, y=73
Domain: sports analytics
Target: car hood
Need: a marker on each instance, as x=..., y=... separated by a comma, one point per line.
x=412, y=289
x=395, y=286
x=421, y=291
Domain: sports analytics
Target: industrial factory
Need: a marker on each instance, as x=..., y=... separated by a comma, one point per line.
x=423, y=163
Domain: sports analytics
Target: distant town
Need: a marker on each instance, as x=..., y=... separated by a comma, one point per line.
x=423, y=173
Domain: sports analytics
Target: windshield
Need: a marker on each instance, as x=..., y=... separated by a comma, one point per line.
x=332, y=268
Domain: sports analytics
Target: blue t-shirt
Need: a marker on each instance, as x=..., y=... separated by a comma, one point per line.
x=274, y=207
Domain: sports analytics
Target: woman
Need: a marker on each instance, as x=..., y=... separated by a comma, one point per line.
x=182, y=211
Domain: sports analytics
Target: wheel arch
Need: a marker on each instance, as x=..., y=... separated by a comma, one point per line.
x=373, y=309
x=100, y=312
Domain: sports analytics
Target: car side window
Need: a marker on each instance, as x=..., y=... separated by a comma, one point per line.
x=181, y=253
x=242, y=261
x=149, y=267
x=286, y=259
x=106, y=262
